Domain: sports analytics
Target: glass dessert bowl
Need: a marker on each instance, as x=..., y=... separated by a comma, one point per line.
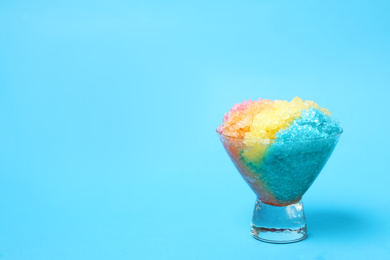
x=279, y=171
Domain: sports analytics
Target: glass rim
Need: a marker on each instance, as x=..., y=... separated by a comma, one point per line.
x=282, y=139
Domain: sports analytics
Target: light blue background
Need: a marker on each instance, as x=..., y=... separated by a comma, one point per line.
x=108, y=111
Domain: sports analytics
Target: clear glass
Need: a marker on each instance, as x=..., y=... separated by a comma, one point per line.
x=276, y=224
x=279, y=172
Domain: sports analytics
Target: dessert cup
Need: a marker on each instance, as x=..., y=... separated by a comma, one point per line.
x=279, y=172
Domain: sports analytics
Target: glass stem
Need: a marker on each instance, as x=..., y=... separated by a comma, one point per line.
x=274, y=224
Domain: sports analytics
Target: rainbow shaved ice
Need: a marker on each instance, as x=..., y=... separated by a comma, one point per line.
x=278, y=146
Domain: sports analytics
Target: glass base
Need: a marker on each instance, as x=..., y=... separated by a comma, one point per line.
x=278, y=225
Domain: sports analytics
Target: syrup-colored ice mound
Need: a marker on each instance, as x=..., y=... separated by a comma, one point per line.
x=281, y=146
x=263, y=118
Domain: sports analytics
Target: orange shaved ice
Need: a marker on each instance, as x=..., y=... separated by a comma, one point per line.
x=238, y=121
